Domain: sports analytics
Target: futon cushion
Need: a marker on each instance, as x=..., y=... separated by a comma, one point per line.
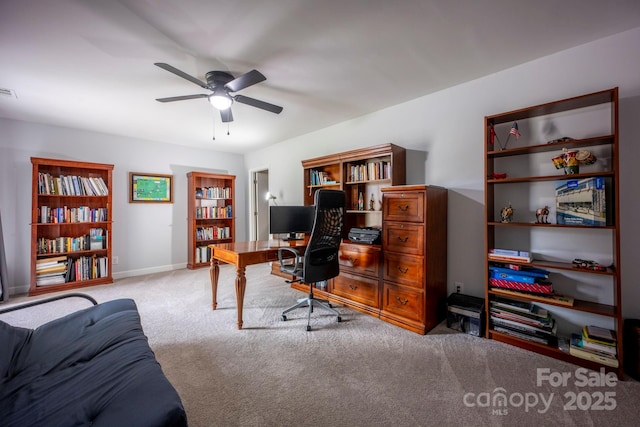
x=12, y=339
x=92, y=367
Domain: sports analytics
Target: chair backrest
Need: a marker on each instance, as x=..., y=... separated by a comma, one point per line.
x=321, y=254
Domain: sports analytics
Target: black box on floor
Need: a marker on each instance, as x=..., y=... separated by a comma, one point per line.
x=631, y=348
x=465, y=313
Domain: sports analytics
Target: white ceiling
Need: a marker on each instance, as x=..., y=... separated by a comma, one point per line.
x=88, y=64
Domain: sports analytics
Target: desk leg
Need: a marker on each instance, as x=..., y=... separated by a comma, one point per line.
x=241, y=284
x=214, y=272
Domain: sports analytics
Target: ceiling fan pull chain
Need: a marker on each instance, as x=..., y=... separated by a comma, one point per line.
x=213, y=122
x=228, y=128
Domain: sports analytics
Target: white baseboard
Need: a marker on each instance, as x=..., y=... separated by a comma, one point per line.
x=24, y=289
x=150, y=270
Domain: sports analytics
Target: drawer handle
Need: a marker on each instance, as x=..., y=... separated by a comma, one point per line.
x=402, y=301
x=353, y=287
x=403, y=208
x=403, y=239
x=353, y=261
x=403, y=271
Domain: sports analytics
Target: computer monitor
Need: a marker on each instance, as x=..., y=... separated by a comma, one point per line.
x=291, y=220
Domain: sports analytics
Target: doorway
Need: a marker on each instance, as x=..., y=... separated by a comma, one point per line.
x=260, y=205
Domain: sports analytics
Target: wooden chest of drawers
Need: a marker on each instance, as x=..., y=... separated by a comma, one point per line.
x=414, y=244
x=358, y=284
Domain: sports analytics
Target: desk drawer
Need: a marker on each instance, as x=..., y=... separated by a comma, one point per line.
x=360, y=259
x=405, y=238
x=402, y=301
x=404, y=269
x=356, y=288
x=403, y=206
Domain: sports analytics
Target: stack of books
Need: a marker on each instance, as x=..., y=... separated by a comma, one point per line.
x=51, y=271
x=596, y=344
x=509, y=255
x=523, y=320
x=520, y=278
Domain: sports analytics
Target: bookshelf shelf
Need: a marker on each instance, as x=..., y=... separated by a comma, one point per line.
x=211, y=214
x=531, y=182
x=61, y=189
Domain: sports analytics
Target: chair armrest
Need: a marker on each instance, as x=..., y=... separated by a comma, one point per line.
x=294, y=255
x=46, y=300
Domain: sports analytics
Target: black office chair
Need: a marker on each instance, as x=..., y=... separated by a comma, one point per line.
x=320, y=259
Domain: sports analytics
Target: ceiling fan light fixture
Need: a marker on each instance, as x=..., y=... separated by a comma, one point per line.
x=220, y=99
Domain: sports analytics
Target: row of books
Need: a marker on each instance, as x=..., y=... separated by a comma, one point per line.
x=370, y=171
x=520, y=278
x=318, y=177
x=95, y=240
x=71, y=185
x=596, y=344
x=206, y=212
x=213, y=193
x=203, y=254
x=58, y=270
x=523, y=320
x=212, y=233
x=49, y=215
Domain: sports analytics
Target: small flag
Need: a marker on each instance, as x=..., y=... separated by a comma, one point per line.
x=514, y=130
x=492, y=135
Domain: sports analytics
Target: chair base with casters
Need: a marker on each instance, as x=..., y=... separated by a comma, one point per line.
x=310, y=302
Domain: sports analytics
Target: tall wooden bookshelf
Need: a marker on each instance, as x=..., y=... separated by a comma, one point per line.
x=71, y=224
x=523, y=176
x=211, y=214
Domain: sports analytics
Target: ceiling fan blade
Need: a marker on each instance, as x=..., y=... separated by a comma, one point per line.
x=182, y=98
x=245, y=80
x=226, y=115
x=182, y=74
x=258, y=104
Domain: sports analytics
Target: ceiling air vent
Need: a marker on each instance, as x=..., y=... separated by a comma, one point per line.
x=7, y=93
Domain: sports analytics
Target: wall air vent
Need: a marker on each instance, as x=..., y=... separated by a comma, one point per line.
x=7, y=93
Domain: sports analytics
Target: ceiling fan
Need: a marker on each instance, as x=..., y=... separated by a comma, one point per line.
x=222, y=84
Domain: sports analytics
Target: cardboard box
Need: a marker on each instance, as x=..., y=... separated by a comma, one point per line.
x=581, y=202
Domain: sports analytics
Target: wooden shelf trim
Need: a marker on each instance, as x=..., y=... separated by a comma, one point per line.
x=554, y=146
x=579, y=305
x=548, y=351
x=550, y=177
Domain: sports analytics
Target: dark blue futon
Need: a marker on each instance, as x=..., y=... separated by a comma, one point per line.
x=92, y=367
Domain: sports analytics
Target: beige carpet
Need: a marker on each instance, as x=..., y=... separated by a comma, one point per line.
x=361, y=372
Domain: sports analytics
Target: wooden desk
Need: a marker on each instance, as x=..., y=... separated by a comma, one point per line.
x=242, y=254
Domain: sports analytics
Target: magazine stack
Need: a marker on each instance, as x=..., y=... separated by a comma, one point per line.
x=523, y=320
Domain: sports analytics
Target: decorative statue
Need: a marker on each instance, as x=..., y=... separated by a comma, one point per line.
x=541, y=215
x=371, y=203
x=506, y=213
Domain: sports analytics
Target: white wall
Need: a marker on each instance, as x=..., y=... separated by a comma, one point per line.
x=448, y=126
x=444, y=132
x=146, y=237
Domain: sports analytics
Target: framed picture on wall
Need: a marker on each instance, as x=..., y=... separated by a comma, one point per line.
x=150, y=188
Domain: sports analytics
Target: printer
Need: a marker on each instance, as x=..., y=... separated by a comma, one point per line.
x=368, y=235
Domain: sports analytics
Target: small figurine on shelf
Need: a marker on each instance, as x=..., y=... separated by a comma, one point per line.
x=541, y=215
x=372, y=203
x=506, y=213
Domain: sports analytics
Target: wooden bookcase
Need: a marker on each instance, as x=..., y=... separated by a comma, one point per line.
x=358, y=172
x=361, y=172
x=211, y=214
x=71, y=224
x=590, y=125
